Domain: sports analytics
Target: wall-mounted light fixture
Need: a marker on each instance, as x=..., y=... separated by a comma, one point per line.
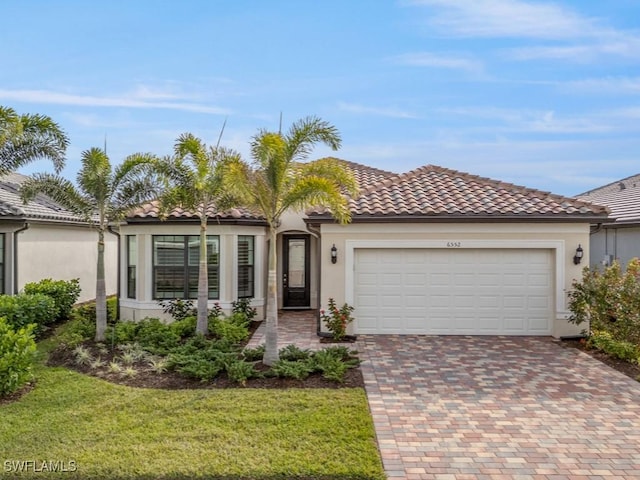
x=577, y=258
x=334, y=254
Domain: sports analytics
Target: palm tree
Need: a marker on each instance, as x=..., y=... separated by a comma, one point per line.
x=25, y=138
x=103, y=195
x=278, y=181
x=194, y=181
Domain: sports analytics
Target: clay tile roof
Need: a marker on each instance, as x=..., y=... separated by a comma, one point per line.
x=151, y=210
x=366, y=176
x=40, y=208
x=622, y=197
x=436, y=191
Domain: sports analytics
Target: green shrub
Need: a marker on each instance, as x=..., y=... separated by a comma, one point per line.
x=156, y=337
x=294, y=353
x=609, y=300
x=616, y=348
x=337, y=319
x=333, y=362
x=17, y=353
x=214, y=312
x=229, y=331
x=243, y=306
x=179, y=309
x=253, y=354
x=204, y=365
x=64, y=293
x=76, y=331
x=238, y=318
x=88, y=310
x=292, y=369
x=240, y=371
x=185, y=327
x=123, y=332
x=23, y=309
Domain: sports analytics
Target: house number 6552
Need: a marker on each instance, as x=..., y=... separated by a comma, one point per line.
x=454, y=244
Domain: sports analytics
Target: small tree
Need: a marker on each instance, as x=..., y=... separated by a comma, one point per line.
x=103, y=195
x=194, y=181
x=278, y=181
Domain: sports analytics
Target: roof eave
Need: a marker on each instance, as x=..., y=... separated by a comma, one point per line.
x=585, y=218
x=196, y=221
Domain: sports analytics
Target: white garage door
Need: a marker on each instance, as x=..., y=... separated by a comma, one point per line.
x=453, y=291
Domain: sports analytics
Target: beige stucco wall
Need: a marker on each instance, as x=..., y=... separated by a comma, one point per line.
x=561, y=238
x=145, y=306
x=64, y=252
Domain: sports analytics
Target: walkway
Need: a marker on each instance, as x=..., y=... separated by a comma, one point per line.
x=297, y=327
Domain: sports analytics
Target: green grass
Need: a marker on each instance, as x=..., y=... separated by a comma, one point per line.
x=117, y=432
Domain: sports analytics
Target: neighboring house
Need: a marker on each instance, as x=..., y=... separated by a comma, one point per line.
x=432, y=251
x=616, y=238
x=43, y=240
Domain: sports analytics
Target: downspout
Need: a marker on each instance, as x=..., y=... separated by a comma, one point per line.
x=15, y=256
x=117, y=234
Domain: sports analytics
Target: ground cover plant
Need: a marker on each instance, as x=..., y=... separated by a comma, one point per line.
x=152, y=353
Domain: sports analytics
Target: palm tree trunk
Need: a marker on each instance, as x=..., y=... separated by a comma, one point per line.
x=101, y=292
x=271, y=336
x=203, y=281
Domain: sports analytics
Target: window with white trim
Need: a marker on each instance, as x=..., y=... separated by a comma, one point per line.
x=176, y=263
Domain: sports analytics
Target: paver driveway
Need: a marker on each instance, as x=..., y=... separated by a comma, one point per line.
x=499, y=407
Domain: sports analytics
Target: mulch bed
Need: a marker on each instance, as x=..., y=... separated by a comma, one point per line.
x=147, y=378
x=15, y=396
x=631, y=370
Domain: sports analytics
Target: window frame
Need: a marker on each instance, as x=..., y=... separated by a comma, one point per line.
x=250, y=274
x=188, y=270
x=132, y=242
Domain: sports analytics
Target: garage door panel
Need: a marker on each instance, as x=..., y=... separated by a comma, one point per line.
x=489, y=301
x=433, y=291
x=538, y=280
x=413, y=301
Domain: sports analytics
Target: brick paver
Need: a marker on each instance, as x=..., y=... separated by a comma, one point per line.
x=297, y=327
x=499, y=408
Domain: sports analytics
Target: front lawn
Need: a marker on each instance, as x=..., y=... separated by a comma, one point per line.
x=93, y=429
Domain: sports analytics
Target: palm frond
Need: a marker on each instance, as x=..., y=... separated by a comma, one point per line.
x=95, y=176
x=307, y=132
x=312, y=191
x=333, y=170
x=60, y=190
x=25, y=138
x=137, y=165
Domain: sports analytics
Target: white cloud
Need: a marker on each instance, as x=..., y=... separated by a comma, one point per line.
x=535, y=121
x=507, y=18
x=139, y=99
x=583, y=39
x=619, y=85
x=427, y=59
x=378, y=111
x=582, y=53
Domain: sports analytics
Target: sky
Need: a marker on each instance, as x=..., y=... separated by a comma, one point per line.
x=544, y=94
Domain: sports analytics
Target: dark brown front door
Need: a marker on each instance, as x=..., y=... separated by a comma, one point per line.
x=295, y=267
